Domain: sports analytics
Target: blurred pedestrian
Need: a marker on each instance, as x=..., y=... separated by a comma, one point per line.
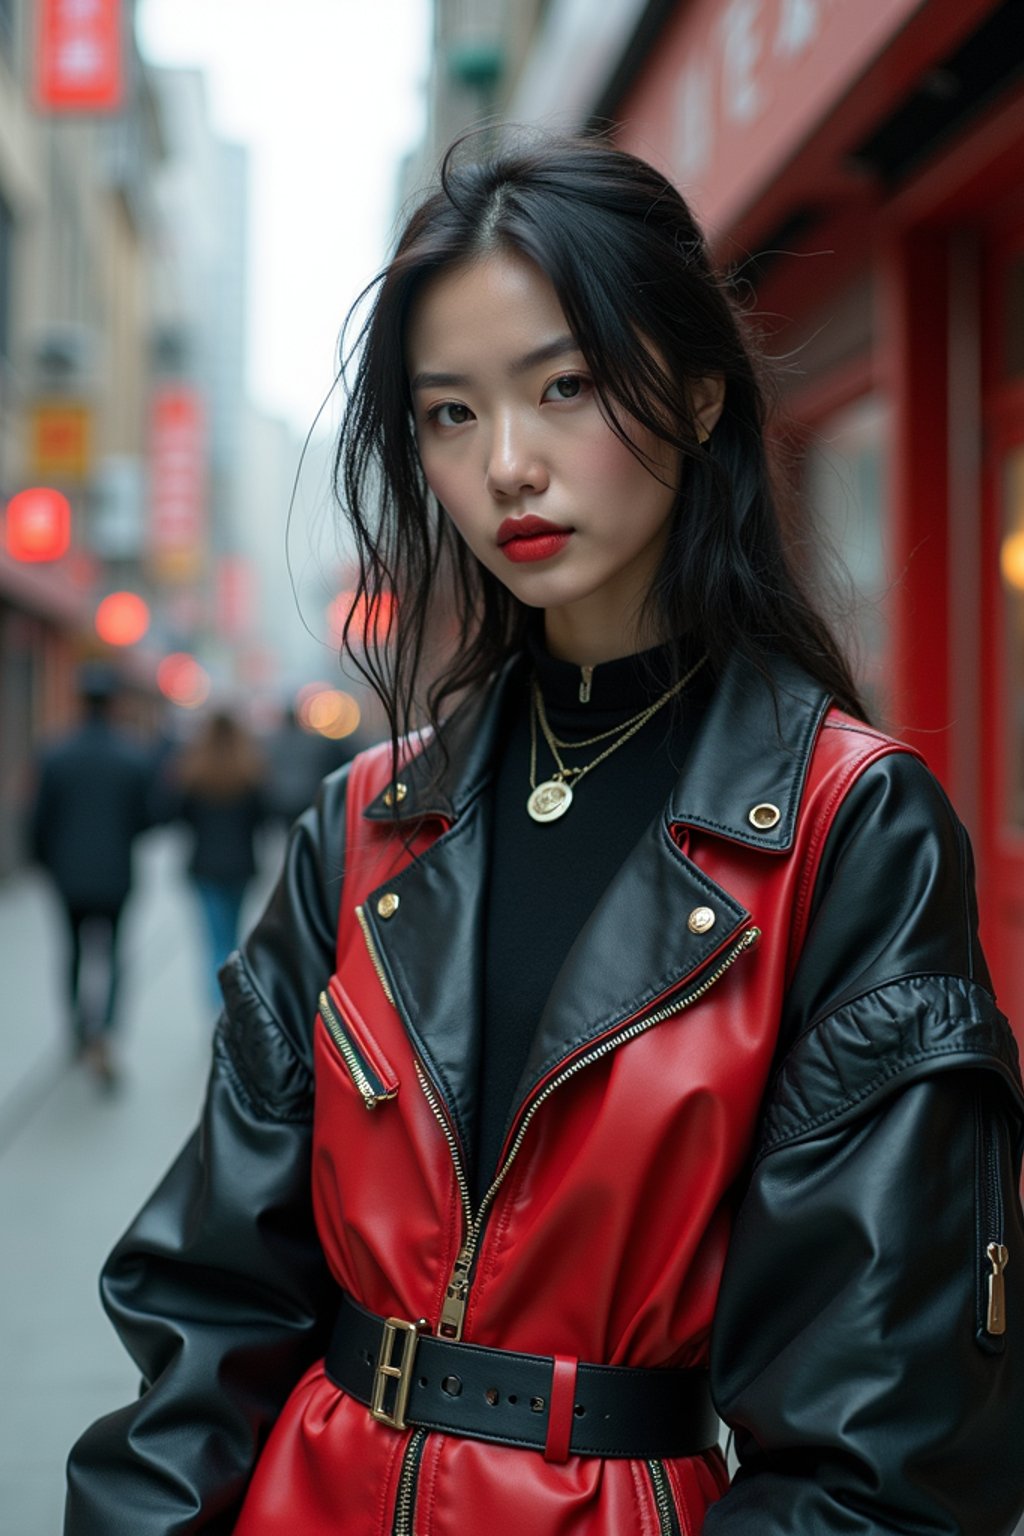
x=297, y=761
x=91, y=802
x=218, y=788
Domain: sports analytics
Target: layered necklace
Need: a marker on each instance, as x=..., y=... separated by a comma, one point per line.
x=551, y=799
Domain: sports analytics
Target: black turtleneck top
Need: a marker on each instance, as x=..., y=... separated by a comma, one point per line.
x=546, y=879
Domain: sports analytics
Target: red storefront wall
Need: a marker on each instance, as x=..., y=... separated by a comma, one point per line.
x=892, y=301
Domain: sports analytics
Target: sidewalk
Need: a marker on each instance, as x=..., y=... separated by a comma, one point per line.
x=76, y=1163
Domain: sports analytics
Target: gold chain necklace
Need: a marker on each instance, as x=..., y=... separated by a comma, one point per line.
x=551, y=799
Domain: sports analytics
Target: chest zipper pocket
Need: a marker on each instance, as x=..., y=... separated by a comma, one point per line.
x=374, y=1079
x=992, y=1254
x=668, y=1516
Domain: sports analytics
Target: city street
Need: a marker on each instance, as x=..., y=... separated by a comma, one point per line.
x=75, y=1163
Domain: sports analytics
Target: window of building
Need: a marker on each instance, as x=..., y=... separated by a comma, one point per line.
x=1011, y=560
x=845, y=491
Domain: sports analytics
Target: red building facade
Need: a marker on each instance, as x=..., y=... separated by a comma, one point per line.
x=860, y=164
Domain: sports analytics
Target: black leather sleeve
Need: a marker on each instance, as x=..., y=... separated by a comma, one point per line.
x=853, y=1353
x=219, y=1289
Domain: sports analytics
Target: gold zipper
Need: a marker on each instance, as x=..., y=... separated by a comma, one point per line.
x=453, y=1312
x=407, y=1484
x=372, y=1095
x=449, y=1136
x=998, y=1256
x=374, y=956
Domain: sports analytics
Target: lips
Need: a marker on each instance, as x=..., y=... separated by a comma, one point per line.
x=528, y=527
x=531, y=538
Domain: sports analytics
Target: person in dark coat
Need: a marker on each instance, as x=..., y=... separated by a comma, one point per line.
x=218, y=790
x=297, y=761
x=90, y=804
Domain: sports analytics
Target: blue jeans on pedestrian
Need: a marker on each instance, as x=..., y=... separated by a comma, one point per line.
x=221, y=903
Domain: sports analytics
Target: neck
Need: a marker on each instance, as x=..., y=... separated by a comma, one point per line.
x=588, y=638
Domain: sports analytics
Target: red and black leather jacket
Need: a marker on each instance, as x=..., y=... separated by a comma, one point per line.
x=771, y=1124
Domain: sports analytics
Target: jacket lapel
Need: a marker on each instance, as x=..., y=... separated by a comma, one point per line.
x=638, y=943
x=432, y=947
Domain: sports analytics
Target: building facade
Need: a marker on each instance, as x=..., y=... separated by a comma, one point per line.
x=77, y=243
x=123, y=258
x=857, y=166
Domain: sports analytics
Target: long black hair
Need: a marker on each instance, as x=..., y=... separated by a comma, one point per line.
x=632, y=275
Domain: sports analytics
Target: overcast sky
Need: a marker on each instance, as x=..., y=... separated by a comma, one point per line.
x=327, y=95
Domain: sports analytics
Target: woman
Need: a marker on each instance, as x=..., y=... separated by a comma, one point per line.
x=655, y=965
x=218, y=792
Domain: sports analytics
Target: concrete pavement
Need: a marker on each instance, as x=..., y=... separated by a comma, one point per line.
x=76, y=1163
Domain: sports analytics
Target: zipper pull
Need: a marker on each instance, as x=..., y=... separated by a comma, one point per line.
x=998, y=1256
x=453, y=1313
x=586, y=678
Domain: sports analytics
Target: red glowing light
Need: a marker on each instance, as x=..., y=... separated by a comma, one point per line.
x=38, y=525
x=370, y=622
x=122, y=618
x=181, y=679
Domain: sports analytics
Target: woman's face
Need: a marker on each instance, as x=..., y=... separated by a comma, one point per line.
x=515, y=447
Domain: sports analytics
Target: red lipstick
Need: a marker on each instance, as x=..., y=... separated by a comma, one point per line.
x=531, y=538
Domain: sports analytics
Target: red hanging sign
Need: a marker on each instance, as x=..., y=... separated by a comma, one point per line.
x=80, y=55
x=177, y=483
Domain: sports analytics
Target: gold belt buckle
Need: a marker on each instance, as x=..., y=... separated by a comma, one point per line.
x=401, y=1374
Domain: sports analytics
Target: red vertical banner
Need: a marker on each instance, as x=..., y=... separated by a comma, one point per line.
x=80, y=55
x=177, y=499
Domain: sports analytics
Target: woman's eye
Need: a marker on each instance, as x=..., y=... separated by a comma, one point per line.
x=450, y=414
x=568, y=386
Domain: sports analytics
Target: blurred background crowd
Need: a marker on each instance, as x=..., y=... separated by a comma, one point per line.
x=192, y=192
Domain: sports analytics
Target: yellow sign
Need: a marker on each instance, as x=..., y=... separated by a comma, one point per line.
x=177, y=565
x=60, y=440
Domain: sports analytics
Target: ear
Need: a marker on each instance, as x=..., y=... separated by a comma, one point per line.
x=707, y=397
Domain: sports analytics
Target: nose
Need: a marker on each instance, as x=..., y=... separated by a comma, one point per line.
x=514, y=465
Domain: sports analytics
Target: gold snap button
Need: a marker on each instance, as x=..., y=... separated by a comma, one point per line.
x=387, y=906
x=700, y=920
x=395, y=795
x=765, y=816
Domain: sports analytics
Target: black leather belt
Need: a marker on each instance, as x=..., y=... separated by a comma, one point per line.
x=550, y=1403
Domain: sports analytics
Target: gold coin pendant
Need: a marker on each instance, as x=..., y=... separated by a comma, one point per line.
x=549, y=800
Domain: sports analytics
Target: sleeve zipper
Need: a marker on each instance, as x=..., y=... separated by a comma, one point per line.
x=994, y=1255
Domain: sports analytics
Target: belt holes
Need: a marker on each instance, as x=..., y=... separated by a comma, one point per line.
x=452, y=1385
x=579, y=1410
x=513, y=1399
x=367, y=1357
x=537, y=1404
x=493, y=1396
x=424, y=1382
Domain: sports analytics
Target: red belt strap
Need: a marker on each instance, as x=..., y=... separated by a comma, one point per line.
x=563, y=1399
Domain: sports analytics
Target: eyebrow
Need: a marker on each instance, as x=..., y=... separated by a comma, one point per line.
x=559, y=347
